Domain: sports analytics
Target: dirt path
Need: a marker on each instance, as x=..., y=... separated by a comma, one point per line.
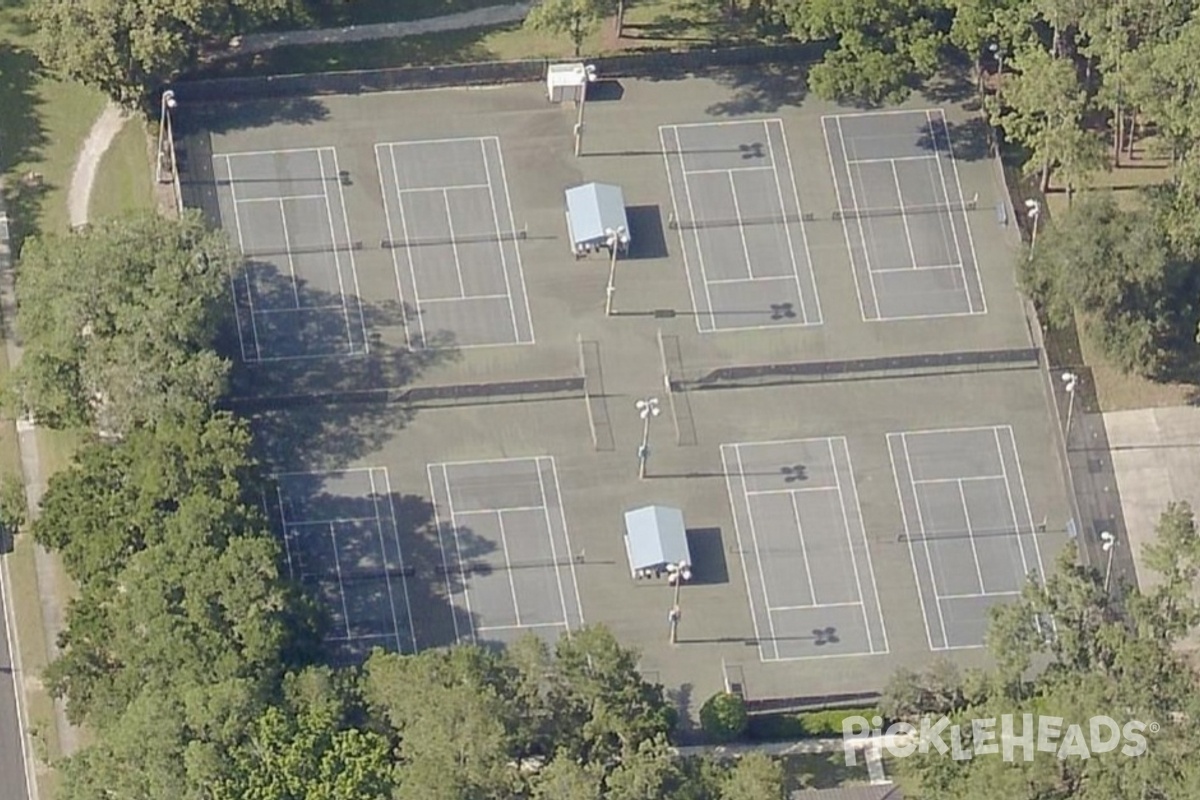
x=104, y=130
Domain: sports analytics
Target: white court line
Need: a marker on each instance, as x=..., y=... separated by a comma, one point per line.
x=814, y=606
x=337, y=566
x=387, y=215
x=879, y=113
x=924, y=534
x=675, y=210
x=387, y=482
x=268, y=311
x=412, y=142
x=962, y=495
x=412, y=268
x=365, y=637
x=737, y=213
x=332, y=521
x=967, y=222
x=497, y=510
x=968, y=429
x=890, y=160
x=337, y=259
x=718, y=124
x=1037, y=547
x=958, y=647
x=512, y=584
x=512, y=223
x=487, y=628
x=912, y=254
x=737, y=532
x=562, y=515
x=837, y=192
x=866, y=545
x=433, y=300
x=862, y=600
x=443, y=189
x=462, y=289
x=797, y=490
x=712, y=317
x=322, y=473
x=562, y=597
x=437, y=526
x=508, y=460
x=921, y=481
x=765, y=279
x=782, y=209
x=919, y=268
x=287, y=249
x=912, y=553
x=1012, y=509
x=757, y=551
x=237, y=221
x=979, y=596
x=383, y=554
x=458, y=550
x=362, y=319
x=286, y=536
x=280, y=198
x=284, y=152
x=950, y=213
x=812, y=586
x=724, y=170
x=512, y=312
x=866, y=244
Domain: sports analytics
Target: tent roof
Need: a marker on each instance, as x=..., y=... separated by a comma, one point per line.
x=593, y=209
x=655, y=536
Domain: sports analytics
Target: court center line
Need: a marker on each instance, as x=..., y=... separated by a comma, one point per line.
x=962, y=495
x=279, y=198
x=1037, y=548
x=737, y=532
x=862, y=600
x=912, y=553
x=737, y=214
x=920, y=268
x=866, y=545
x=562, y=516
x=337, y=258
x=364, y=637
x=968, y=478
x=764, y=279
x=512, y=584
x=797, y=490
x=814, y=607
x=287, y=546
x=362, y=318
x=237, y=220
x=269, y=311
x=333, y=520
x=966, y=221
x=412, y=629
x=434, y=300
x=462, y=570
x=837, y=193
x=729, y=170
x=1012, y=509
x=337, y=565
x=912, y=253
x=443, y=189
x=462, y=289
x=497, y=510
x=787, y=233
x=387, y=217
x=687, y=266
x=512, y=312
x=545, y=508
x=891, y=159
x=980, y=596
x=437, y=526
x=949, y=213
x=512, y=223
x=866, y=243
x=737, y=450
x=924, y=535
x=412, y=267
x=287, y=249
x=531, y=626
x=383, y=554
x=687, y=191
x=812, y=587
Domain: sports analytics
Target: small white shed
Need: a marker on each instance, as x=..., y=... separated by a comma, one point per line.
x=565, y=82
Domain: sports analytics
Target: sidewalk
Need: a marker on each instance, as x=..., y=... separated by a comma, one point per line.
x=872, y=750
x=478, y=18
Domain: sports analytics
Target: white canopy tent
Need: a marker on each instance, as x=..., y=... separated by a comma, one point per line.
x=656, y=542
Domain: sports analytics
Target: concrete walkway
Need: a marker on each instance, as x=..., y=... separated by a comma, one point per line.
x=871, y=748
x=99, y=139
x=478, y=18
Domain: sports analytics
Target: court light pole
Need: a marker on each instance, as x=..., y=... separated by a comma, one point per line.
x=998, y=52
x=614, y=242
x=164, y=120
x=589, y=75
x=1070, y=383
x=1034, y=209
x=1108, y=543
x=677, y=574
x=647, y=410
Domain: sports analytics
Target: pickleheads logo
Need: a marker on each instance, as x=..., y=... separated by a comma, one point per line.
x=1002, y=736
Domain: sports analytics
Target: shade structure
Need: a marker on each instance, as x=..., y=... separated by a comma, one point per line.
x=656, y=539
x=564, y=82
x=595, y=212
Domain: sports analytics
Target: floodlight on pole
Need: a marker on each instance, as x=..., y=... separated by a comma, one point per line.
x=647, y=409
x=677, y=574
x=615, y=237
x=1108, y=543
x=1070, y=384
x=589, y=75
x=167, y=103
x=1034, y=209
x=998, y=52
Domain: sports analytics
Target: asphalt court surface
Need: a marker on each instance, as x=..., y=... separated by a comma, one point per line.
x=751, y=268
x=920, y=262
x=348, y=553
x=505, y=548
x=807, y=566
x=968, y=524
x=298, y=295
x=448, y=215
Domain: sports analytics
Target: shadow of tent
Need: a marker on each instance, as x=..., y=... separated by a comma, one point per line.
x=646, y=233
x=708, y=556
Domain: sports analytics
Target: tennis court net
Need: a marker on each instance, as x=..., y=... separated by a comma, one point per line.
x=467, y=238
x=699, y=224
x=356, y=575
x=283, y=250
x=903, y=211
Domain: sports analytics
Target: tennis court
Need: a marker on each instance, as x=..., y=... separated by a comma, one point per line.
x=806, y=562
x=297, y=295
x=968, y=524
x=506, y=552
x=741, y=229
x=906, y=222
x=343, y=545
x=454, y=243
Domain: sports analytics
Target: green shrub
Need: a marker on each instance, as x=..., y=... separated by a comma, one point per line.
x=723, y=717
x=826, y=723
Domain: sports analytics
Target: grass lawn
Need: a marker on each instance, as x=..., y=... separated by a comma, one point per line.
x=123, y=179
x=822, y=771
x=335, y=14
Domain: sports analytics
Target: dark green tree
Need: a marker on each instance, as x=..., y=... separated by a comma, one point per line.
x=723, y=717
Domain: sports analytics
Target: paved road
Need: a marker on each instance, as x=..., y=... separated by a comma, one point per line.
x=12, y=762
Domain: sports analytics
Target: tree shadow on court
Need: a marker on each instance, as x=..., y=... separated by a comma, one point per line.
x=761, y=89
x=223, y=117
x=968, y=141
